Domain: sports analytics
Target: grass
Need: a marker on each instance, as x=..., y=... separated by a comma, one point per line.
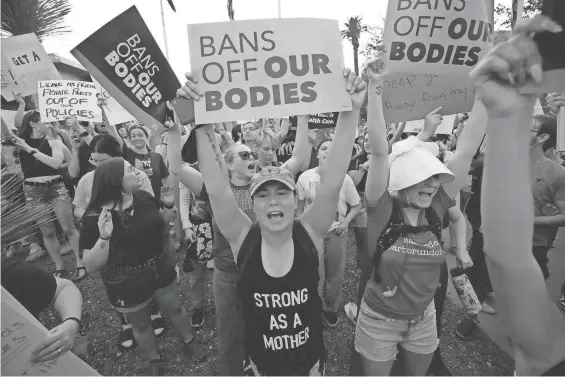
x=478, y=356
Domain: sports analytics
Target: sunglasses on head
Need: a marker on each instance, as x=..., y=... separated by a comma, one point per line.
x=246, y=155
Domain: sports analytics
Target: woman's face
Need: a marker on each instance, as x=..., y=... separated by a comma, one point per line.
x=40, y=127
x=138, y=138
x=123, y=132
x=132, y=180
x=323, y=151
x=244, y=161
x=366, y=145
x=274, y=204
x=359, y=141
x=247, y=131
x=265, y=152
x=421, y=194
x=96, y=158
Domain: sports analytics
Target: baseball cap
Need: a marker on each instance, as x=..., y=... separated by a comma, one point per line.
x=272, y=173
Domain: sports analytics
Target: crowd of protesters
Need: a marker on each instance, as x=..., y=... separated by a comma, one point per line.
x=269, y=203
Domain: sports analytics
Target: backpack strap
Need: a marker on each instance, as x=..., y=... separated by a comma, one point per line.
x=249, y=244
x=304, y=241
x=435, y=223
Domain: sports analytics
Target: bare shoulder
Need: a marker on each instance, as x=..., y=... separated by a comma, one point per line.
x=317, y=241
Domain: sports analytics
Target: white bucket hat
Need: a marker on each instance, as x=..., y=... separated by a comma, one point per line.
x=413, y=161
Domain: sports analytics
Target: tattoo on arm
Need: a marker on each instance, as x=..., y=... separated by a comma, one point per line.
x=379, y=90
x=102, y=245
x=219, y=159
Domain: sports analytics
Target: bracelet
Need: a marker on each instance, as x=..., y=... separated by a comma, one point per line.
x=104, y=239
x=169, y=207
x=77, y=321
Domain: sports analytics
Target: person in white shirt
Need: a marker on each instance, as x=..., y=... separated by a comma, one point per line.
x=335, y=242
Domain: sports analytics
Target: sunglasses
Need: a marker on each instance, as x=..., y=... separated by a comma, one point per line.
x=246, y=155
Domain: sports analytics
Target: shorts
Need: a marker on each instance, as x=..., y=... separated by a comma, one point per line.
x=46, y=193
x=360, y=221
x=377, y=337
x=132, y=288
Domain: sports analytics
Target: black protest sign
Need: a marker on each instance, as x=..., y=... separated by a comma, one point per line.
x=552, y=49
x=322, y=120
x=125, y=59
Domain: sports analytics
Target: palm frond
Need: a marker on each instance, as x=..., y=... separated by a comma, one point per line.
x=230, y=10
x=172, y=5
x=42, y=17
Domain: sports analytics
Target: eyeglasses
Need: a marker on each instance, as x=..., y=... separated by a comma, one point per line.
x=96, y=162
x=246, y=155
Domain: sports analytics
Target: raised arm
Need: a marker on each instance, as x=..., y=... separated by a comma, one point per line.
x=431, y=122
x=377, y=177
x=302, y=146
x=467, y=146
x=186, y=174
x=319, y=216
x=506, y=204
x=18, y=119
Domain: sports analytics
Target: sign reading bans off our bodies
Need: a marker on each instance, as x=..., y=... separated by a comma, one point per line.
x=267, y=68
x=125, y=59
x=59, y=99
x=447, y=37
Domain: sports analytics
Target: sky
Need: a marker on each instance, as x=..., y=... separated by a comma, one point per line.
x=88, y=16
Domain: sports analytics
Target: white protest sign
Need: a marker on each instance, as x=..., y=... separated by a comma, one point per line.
x=59, y=99
x=447, y=37
x=446, y=126
x=28, y=62
x=9, y=81
x=21, y=332
x=115, y=112
x=267, y=68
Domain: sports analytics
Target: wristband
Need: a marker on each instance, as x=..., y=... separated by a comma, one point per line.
x=77, y=321
x=169, y=207
x=105, y=239
x=84, y=134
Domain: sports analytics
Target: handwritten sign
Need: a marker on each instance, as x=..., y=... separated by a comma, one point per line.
x=443, y=37
x=115, y=112
x=267, y=68
x=126, y=60
x=445, y=128
x=59, y=99
x=21, y=332
x=324, y=120
x=27, y=63
x=411, y=96
x=9, y=81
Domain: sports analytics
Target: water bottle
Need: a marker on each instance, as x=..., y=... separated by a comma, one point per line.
x=465, y=291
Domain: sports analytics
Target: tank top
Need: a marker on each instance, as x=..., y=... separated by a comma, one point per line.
x=283, y=316
x=557, y=370
x=31, y=166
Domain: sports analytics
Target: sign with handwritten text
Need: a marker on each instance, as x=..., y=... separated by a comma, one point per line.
x=411, y=96
x=21, y=332
x=115, y=113
x=59, y=99
x=27, y=63
x=445, y=37
x=445, y=128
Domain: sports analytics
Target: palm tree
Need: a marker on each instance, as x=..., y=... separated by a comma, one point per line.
x=352, y=32
x=43, y=17
x=230, y=10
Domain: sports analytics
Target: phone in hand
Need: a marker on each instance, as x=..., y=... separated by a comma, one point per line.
x=184, y=109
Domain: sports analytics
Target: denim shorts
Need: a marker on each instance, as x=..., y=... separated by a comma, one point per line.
x=360, y=221
x=46, y=193
x=377, y=337
x=132, y=288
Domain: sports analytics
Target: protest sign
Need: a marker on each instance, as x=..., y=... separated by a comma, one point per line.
x=21, y=332
x=115, y=113
x=445, y=128
x=267, y=68
x=412, y=96
x=446, y=37
x=323, y=120
x=125, y=59
x=59, y=99
x=9, y=81
x=26, y=60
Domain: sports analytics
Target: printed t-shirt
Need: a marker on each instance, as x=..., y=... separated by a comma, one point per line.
x=152, y=164
x=224, y=257
x=284, y=153
x=308, y=184
x=412, y=264
x=548, y=187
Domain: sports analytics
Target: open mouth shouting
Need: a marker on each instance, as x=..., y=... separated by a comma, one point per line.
x=275, y=215
x=251, y=166
x=426, y=195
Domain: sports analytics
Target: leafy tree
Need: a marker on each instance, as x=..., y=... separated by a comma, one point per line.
x=45, y=18
x=230, y=10
x=506, y=16
x=354, y=28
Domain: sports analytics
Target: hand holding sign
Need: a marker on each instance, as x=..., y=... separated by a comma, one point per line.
x=59, y=341
x=555, y=101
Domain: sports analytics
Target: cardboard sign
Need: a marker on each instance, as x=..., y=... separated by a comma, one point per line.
x=125, y=59
x=115, y=113
x=445, y=37
x=412, y=96
x=267, y=68
x=551, y=47
x=21, y=332
x=27, y=63
x=9, y=81
x=445, y=128
x=59, y=99
x=324, y=120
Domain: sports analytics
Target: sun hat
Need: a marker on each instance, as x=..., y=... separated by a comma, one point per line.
x=272, y=173
x=413, y=161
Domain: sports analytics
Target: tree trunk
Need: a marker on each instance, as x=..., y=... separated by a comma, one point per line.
x=356, y=59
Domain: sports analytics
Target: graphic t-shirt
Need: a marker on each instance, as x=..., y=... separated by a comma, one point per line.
x=152, y=164
x=548, y=187
x=412, y=264
x=284, y=153
x=197, y=211
x=308, y=184
x=283, y=322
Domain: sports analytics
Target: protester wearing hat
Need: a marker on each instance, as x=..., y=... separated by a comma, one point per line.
x=534, y=325
x=411, y=189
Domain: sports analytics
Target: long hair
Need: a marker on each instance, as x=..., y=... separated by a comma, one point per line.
x=106, y=144
x=107, y=184
x=26, y=129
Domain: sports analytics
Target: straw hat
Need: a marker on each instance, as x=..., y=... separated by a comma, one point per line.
x=413, y=161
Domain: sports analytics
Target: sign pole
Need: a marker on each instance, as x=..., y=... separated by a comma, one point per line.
x=279, y=7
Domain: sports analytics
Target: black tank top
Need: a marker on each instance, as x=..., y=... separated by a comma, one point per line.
x=557, y=370
x=31, y=166
x=283, y=316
